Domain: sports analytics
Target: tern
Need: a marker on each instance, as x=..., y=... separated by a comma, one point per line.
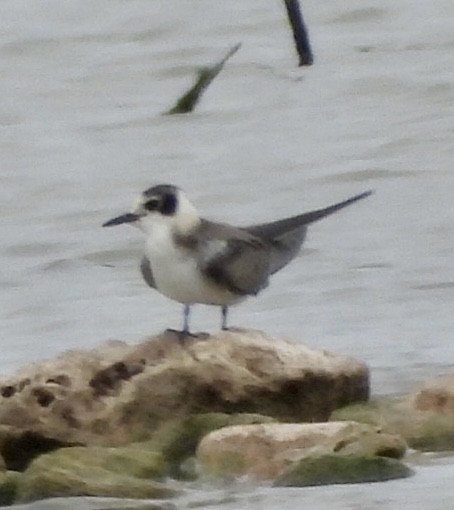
x=193, y=260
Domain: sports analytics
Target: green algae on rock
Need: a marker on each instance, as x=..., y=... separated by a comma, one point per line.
x=336, y=469
x=94, y=471
x=177, y=440
x=427, y=431
x=8, y=487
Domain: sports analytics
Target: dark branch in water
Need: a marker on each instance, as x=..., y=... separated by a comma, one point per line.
x=300, y=34
x=205, y=76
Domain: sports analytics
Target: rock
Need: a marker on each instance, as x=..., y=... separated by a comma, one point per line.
x=8, y=487
x=121, y=393
x=436, y=395
x=335, y=468
x=265, y=451
x=19, y=447
x=177, y=440
x=422, y=430
x=94, y=471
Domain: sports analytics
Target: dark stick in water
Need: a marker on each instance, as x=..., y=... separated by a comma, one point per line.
x=300, y=34
x=206, y=75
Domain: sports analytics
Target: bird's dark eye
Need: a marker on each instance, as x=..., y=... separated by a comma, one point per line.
x=169, y=204
x=152, y=204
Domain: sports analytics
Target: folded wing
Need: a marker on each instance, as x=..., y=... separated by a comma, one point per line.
x=233, y=258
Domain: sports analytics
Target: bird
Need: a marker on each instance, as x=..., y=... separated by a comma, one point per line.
x=193, y=260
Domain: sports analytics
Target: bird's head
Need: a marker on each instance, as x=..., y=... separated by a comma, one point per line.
x=163, y=205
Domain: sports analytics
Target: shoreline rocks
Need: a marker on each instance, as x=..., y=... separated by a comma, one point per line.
x=422, y=418
x=120, y=393
x=124, y=420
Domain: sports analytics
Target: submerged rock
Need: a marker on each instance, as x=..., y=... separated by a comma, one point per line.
x=120, y=393
x=265, y=451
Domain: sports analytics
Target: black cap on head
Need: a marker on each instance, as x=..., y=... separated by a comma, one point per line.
x=162, y=198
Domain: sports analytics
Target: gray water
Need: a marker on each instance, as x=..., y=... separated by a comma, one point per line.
x=83, y=85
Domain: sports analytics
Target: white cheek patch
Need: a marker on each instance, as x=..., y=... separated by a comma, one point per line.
x=186, y=216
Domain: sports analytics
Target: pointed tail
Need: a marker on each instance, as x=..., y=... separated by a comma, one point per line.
x=310, y=217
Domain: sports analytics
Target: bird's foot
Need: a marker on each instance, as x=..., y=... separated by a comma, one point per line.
x=233, y=329
x=182, y=335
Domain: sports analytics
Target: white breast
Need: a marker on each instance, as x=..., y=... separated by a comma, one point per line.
x=176, y=273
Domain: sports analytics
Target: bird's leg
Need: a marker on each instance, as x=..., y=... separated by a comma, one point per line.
x=185, y=331
x=186, y=312
x=224, y=312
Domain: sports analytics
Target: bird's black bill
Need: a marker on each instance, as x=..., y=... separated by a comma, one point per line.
x=124, y=218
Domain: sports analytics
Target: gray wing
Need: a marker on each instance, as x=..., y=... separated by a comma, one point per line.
x=286, y=236
x=283, y=245
x=233, y=258
x=147, y=273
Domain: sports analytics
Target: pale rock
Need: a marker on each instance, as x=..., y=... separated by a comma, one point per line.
x=436, y=395
x=265, y=451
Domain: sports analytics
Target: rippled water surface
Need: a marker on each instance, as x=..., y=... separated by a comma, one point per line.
x=83, y=85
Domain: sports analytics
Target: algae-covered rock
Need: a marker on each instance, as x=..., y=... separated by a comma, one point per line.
x=265, y=451
x=335, y=468
x=422, y=430
x=94, y=471
x=8, y=487
x=178, y=439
